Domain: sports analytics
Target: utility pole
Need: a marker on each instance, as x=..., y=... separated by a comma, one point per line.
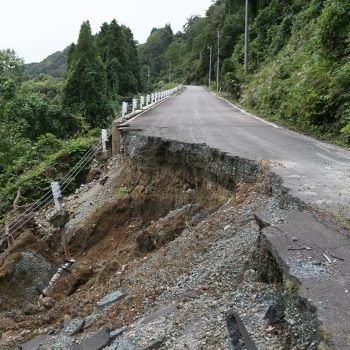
x=210, y=47
x=170, y=72
x=218, y=63
x=246, y=38
x=149, y=72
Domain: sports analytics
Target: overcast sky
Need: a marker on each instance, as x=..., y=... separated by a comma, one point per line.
x=37, y=28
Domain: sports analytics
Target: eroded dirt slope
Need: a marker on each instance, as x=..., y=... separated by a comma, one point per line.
x=172, y=228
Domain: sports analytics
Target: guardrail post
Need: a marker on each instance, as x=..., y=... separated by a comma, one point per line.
x=142, y=101
x=134, y=105
x=104, y=136
x=148, y=98
x=56, y=193
x=124, y=109
x=105, y=154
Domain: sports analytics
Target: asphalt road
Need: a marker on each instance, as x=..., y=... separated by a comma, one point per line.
x=316, y=172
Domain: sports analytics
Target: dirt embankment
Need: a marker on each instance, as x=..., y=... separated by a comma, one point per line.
x=174, y=227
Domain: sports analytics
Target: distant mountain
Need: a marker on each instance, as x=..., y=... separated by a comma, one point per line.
x=54, y=65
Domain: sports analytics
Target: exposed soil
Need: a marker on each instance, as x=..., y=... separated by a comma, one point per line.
x=174, y=230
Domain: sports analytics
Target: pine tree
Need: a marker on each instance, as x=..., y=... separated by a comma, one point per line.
x=85, y=90
x=132, y=79
x=118, y=51
x=110, y=45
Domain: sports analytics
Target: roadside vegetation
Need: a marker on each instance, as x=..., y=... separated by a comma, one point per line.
x=47, y=122
x=299, y=71
x=299, y=76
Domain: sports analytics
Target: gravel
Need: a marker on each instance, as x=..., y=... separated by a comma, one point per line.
x=31, y=269
x=184, y=290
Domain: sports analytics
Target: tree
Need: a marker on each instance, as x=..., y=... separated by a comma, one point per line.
x=132, y=64
x=85, y=90
x=152, y=52
x=118, y=52
x=11, y=65
x=11, y=73
x=334, y=26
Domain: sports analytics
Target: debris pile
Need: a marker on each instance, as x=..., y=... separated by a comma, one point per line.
x=164, y=253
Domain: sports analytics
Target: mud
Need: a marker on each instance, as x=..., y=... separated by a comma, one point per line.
x=174, y=227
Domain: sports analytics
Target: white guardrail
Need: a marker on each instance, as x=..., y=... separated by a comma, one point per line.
x=54, y=194
x=144, y=102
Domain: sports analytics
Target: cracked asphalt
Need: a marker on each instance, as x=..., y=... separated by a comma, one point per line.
x=316, y=172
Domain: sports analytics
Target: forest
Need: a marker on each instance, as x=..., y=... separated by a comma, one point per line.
x=298, y=76
x=299, y=60
x=47, y=122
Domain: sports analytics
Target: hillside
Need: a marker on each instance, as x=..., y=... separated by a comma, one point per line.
x=299, y=70
x=140, y=214
x=45, y=120
x=54, y=65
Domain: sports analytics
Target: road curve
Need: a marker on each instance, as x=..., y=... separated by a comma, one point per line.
x=316, y=172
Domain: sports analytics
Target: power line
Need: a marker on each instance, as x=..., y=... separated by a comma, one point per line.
x=20, y=220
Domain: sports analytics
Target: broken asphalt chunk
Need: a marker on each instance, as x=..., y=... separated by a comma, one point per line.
x=111, y=298
x=118, y=332
x=162, y=312
x=156, y=344
x=73, y=327
x=238, y=334
x=97, y=341
x=36, y=343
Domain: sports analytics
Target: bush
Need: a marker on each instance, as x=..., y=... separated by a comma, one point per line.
x=307, y=83
x=47, y=160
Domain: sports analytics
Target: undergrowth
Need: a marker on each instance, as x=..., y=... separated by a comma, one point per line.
x=50, y=159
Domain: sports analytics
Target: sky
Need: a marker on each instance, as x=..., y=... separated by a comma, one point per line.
x=38, y=28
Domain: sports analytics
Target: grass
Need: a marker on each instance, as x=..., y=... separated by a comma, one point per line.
x=291, y=288
x=124, y=190
x=286, y=124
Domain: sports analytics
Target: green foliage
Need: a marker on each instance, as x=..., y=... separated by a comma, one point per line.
x=54, y=65
x=48, y=123
x=152, y=54
x=124, y=190
x=307, y=84
x=11, y=74
x=47, y=160
x=43, y=86
x=291, y=288
x=298, y=59
x=12, y=143
x=334, y=28
x=117, y=49
x=85, y=90
x=11, y=65
x=36, y=117
x=231, y=84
